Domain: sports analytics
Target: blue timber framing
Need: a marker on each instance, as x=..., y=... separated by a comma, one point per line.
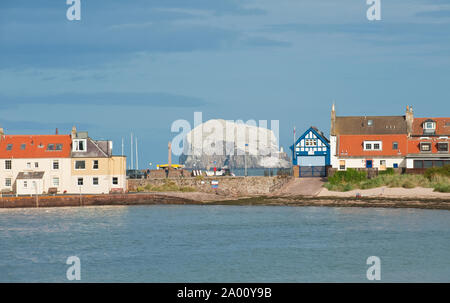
x=306, y=150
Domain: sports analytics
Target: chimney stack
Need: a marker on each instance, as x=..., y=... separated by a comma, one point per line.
x=409, y=119
x=74, y=132
x=56, y=132
x=2, y=133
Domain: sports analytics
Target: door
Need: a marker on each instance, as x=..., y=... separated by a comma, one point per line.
x=369, y=163
x=382, y=164
x=312, y=171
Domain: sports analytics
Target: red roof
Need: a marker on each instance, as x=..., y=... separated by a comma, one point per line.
x=442, y=126
x=35, y=146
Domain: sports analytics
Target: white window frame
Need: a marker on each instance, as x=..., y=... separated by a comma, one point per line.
x=75, y=165
x=6, y=182
x=55, y=184
x=10, y=164
x=426, y=143
x=310, y=142
x=53, y=164
x=98, y=181
x=75, y=145
x=113, y=180
x=25, y=184
x=93, y=164
x=442, y=151
x=372, y=145
x=429, y=125
x=78, y=181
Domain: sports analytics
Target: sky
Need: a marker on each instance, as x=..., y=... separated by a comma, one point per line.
x=139, y=65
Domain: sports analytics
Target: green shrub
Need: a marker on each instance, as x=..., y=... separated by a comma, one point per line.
x=442, y=187
x=350, y=175
x=437, y=171
x=388, y=171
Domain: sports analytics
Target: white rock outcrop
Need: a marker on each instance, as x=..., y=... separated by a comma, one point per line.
x=220, y=142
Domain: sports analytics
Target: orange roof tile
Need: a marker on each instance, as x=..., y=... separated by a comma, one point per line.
x=35, y=146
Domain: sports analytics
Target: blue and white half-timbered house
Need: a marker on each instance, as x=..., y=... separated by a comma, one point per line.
x=312, y=153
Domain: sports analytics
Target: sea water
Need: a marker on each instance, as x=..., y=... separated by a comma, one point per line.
x=224, y=244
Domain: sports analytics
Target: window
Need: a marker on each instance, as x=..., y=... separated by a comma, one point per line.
x=418, y=164
x=395, y=145
x=372, y=145
x=115, y=180
x=23, y=146
x=342, y=164
x=95, y=181
x=425, y=146
x=55, y=181
x=383, y=163
x=25, y=184
x=438, y=163
x=80, y=181
x=95, y=164
x=8, y=164
x=8, y=182
x=36, y=164
x=427, y=163
x=79, y=145
x=28, y=165
x=51, y=147
x=369, y=122
x=55, y=164
x=310, y=142
x=429, y=125
x=9, y=147
x=442, y=146
x=395, y=165
x=58, y=147
x=80, y=164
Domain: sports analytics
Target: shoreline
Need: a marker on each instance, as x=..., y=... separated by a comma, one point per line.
x=199, y=198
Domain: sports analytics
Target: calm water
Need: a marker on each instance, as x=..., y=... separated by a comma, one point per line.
x=224, y=244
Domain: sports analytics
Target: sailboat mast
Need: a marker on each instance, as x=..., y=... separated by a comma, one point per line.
x=132, y=164
x=137, y=157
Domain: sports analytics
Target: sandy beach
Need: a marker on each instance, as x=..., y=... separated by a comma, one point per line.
x=387, y=192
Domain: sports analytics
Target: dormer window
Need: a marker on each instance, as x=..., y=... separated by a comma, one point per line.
x=429, y=125
x=9, y=147
x=79, y=145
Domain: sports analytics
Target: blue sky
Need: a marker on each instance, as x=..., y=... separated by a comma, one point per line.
x=137, y=66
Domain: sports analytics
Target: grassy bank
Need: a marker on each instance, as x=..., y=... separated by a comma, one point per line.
x=168, y=186
x=436, y=178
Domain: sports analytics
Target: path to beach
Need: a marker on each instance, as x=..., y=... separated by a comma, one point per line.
x=301, y=187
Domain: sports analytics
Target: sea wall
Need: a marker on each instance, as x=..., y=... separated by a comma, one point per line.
x=90, y=200
x=229, y=186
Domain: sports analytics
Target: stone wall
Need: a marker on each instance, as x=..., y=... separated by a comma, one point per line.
x=90, y=200
x=232, y=186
